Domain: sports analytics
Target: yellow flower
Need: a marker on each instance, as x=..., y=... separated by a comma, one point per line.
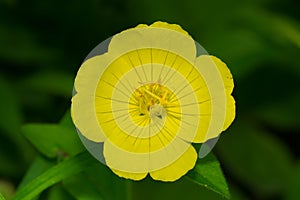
x=148, y=97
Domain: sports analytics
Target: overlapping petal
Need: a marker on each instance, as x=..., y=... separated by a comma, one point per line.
x=148, y=98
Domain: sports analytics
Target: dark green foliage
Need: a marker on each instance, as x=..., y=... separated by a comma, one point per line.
x=42, y=45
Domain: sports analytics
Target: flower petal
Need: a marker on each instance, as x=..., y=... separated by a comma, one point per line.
x=117, y=92
x=230, y=111
x=166, y=25
x=213, y=77
x=178, y=168
x=133, y=176
x=85, y=120
x=83, y=102
x=118, y=158
x=225, y=74
x=89, y=74
x=174, y=27
x=149, y=37
x=228, y=83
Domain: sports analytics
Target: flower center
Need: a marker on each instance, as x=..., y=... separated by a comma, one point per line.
x=147, y=104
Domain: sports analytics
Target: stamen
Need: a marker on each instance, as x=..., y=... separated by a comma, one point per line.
x=150, y=95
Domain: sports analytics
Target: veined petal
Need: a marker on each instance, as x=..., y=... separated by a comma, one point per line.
x=84, y=118
x=178, y=168
x=153, y=37
x=118, y=158
x=83, y=102
x=148, y=97
x=228, y=84
x=209, y=71
x=225, y=74
x=89, y=74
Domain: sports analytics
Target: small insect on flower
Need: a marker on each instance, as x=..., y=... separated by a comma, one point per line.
x=142, y=97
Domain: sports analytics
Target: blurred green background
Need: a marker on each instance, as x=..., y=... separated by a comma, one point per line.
x=43, y=43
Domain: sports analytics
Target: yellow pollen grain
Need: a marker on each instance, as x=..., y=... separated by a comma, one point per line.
x=147, y=96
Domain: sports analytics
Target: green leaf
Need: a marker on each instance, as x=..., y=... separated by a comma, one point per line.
x=149, y=189
x=53, y=140
x=100, y=183
x=255, y=158
x=86, y=191
x=1, y=197
x=39, y=165
x=207, y=172
x=61, y=171
x=57, y=192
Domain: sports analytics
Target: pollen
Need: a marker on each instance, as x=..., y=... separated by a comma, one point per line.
x=148, y=103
